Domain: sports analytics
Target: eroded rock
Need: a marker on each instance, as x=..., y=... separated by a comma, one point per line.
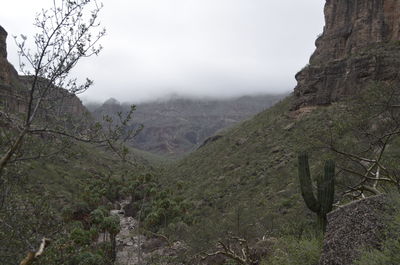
x=359, y=45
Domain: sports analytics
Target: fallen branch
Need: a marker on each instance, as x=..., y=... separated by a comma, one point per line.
x=241, y=256
x=31, y=256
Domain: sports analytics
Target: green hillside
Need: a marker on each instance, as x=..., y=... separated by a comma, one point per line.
x=246, y=181
x=54, y=197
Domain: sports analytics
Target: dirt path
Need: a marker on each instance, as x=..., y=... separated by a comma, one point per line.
x=127, y=239
x=128, y=242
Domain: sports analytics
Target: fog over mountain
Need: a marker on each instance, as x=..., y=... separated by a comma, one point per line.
x=214, y=48
x=177, y=126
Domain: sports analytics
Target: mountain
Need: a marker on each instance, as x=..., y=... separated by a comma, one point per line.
x=179, y=125
x=237, y=197
x=245, y=181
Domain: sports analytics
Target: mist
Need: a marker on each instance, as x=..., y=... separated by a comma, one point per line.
x=192, y=48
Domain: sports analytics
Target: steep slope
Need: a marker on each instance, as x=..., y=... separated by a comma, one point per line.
x=51, y=184
x=246, y=180
x=69, y=164
x=177, y=126
x=253, y=166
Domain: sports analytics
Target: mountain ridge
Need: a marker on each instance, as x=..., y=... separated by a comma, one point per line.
x=177, y=126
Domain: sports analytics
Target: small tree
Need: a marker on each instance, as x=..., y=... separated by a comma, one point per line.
x=68, y=32
x=365, y=142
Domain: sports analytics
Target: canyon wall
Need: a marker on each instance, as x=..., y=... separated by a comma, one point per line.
x=14, y=88
x=9, y=80
x=360, y=45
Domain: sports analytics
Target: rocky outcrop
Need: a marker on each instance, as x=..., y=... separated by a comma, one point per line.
x=360, y=45
x=3, y=46
x=64, y=102
x=10, y=97
x=355, y=226
x=14, y=88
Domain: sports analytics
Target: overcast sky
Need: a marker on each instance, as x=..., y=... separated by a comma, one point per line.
x=205, y=48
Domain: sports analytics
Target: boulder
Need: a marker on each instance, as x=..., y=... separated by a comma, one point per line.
x=353, y=227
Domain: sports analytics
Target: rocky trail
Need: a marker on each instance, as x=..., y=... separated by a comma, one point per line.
x=127, y=239
x=133, y=248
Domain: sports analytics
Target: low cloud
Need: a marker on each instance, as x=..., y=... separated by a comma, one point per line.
x=207, y=48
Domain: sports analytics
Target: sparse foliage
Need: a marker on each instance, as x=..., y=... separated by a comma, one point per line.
x=374, y=127
x=65, y=35
x=45, y=123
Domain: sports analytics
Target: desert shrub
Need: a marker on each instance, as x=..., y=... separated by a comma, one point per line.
x=81, y=237
x=389, y=255
x=87, y=258
x=98, y=215
x=293, y=251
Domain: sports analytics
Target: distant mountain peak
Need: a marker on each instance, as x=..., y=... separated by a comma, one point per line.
x=180, y=125
x=112, y=101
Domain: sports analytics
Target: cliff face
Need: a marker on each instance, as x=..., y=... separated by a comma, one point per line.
x=13, y=87
x=7, y=71
x=3, y=46
x=9, y=80
x=359, y=45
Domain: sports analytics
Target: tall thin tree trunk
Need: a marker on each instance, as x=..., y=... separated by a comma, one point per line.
x=12, y=150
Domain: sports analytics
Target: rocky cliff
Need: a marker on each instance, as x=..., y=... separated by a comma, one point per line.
x=8, y=77
x=3, y=46
x=360, y=45
x=13, y=87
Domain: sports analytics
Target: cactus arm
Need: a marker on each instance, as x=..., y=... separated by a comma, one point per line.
x=322, y=204
x=326, y=187
x=306, y=185
x=326, y=191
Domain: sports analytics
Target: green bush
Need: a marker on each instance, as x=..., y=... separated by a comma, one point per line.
x=81, y=237
x=293, y=251
x=98, y=215
x=389, y=255
x=111, y=224
x=87, y=258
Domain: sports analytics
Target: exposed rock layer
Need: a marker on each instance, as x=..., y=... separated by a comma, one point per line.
x=3, y=46
x=359, y=45
x=9, y=80
x=13, y=87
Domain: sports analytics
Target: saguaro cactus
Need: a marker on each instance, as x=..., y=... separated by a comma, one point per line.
x=322, y=204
